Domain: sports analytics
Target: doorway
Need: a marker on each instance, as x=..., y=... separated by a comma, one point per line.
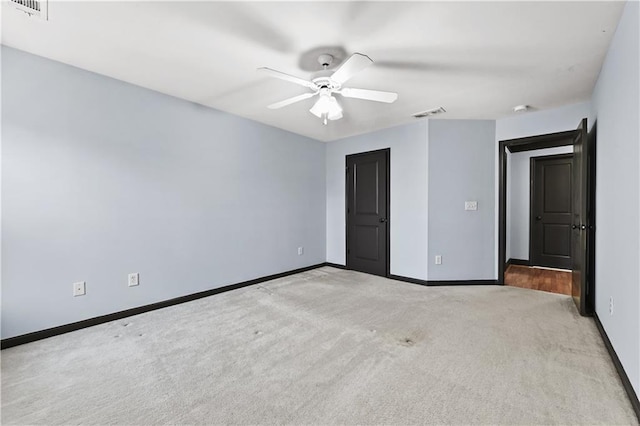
x=581, y=218
x=367, y=212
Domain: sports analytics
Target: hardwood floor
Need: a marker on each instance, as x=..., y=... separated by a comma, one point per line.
x=538, y=279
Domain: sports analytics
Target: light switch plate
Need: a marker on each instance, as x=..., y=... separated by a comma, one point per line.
x=471, y=205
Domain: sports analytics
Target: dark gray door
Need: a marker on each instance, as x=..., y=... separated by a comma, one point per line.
x=581, y=224
x=368, y=212
x=551, y=217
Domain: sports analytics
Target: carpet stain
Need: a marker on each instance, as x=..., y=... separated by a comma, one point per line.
x=265, y=289
x=257, y=332
x=405, y=341
x=127, y=324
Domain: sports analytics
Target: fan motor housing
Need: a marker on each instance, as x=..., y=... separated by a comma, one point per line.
x=326, y=83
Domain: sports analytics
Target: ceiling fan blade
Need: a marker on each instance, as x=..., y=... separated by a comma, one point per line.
x=356, y=63
x=370, y=95
x=287, y=77
x=291, y=100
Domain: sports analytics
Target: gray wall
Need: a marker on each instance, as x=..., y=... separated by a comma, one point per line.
x=518, y=198
x=616, y=106
x=461, y=168
x=436, y=165
x=101, y=178
x=408, y=218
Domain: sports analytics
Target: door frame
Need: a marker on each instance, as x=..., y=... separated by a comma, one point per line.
x=592, y=140
x=387, y=153
x=532, y=165
x=550, y=140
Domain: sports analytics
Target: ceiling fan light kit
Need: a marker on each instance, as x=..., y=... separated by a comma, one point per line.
x=327, y=107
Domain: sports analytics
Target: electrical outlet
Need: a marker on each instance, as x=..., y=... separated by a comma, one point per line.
x=300, y=251
x=438, y=260
x=471, y=205
x=611, y=305
x=79, y=289
x=134, y=279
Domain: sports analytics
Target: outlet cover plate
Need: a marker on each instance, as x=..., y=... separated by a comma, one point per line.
x=79, y=288
x=134, y=279
x=471, y=205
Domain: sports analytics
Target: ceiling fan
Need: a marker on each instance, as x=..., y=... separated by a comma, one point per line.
x=325, y=86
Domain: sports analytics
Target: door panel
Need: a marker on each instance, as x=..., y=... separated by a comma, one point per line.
x=557, y=185
x=551, y=215
x=366, y=242
x=367, y=212
x=557, y=240
x=366, y=192
x=580, y=224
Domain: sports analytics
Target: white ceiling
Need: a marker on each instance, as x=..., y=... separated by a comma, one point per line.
x=477, y=59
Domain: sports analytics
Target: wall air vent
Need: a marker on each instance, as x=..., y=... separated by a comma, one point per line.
x=429, y=112
x=37, y=8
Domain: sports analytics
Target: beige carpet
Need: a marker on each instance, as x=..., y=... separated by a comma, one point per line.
x=324, y=347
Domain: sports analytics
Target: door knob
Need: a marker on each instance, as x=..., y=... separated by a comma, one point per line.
x=383, y=220
x=583, y=227
x=574, y=226
x=538, y=217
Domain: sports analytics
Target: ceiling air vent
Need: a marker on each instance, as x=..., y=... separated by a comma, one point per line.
x=430, y=112
x=37, y=8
